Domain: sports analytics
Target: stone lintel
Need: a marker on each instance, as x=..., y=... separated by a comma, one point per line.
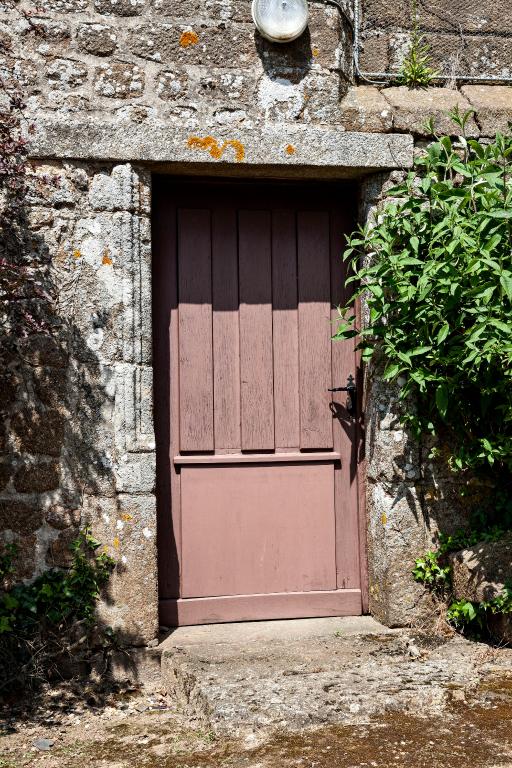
x=281, y=145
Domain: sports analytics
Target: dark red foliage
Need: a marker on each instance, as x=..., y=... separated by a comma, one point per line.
x=24, y=302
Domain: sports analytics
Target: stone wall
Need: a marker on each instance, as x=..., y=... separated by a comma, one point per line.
x=185, y=61
x=77, y=441
x=116, y=89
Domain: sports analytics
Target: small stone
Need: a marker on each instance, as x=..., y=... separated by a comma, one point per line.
x=39, y=431
x=37, y=478
x=119, y=80
x=66, y=6
x=120, y=7
x=50, y=30
x=97, y=39
x=171, y=85
x=43, y=350
x=413, y=651
x=20, y=517
x=43, y=744
x=64, y=74
x=60, y=554
x=61, y=517
x=114, y=191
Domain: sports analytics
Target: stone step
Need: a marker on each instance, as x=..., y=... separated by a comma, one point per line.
x=239, y=679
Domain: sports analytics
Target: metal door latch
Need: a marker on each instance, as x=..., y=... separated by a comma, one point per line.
x=352, y=391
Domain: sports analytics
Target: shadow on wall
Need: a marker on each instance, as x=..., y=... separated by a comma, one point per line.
x=52, y=400
x=57, y=404
x=289, y=62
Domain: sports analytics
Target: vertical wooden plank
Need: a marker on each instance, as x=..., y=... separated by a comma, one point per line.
x=314, y=329
x=345, y=426
x=361, y=477
x=226, y=347
x=195, y=331
x=256, y=374
x=166, y=390
x=285, y=329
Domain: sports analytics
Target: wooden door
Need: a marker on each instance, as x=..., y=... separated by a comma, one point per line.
x=257, y=470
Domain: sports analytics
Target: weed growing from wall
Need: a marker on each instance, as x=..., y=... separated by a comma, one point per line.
x=415, y=71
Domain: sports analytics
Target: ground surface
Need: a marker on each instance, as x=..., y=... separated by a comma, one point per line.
x=375, y=698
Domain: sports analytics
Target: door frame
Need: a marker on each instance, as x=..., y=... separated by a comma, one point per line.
x=165, y=386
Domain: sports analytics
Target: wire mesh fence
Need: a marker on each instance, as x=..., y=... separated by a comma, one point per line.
x=468, y=39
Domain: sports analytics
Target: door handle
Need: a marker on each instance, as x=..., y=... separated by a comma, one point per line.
x=352, y=392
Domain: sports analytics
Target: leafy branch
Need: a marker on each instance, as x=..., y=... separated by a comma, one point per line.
x=435, y=271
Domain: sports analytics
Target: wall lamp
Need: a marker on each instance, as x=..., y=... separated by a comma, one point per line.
x=280, y=21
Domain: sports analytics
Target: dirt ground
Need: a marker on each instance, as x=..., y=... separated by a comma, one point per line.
x=305, y=694
x=129, y=728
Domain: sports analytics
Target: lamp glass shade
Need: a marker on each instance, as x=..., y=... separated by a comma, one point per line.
x=280, y=20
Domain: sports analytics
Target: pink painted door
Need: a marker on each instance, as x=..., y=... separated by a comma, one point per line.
x=257, y=470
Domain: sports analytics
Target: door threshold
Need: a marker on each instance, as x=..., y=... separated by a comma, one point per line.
x=278, y=605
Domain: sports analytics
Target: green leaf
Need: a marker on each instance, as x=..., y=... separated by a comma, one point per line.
x=506, y=284
x=502, y=326
x=391, y=371
x=442, y=399
x=443, y=333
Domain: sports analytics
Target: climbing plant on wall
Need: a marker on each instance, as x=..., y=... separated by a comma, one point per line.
x=435, y=271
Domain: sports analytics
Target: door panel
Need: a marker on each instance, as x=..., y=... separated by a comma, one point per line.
x=285, y=329
x=239, y=524
x=257, y=465
x=226, y=332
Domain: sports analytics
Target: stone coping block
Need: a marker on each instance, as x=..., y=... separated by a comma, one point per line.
x=493, y=106
x=365, y=108
x=481, y=572
x=413, y=108
x=281, y=146
x=401, y=109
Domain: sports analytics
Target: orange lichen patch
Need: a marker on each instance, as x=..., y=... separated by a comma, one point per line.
x=290, y=149
x=126, y=517
x=207, y=143
x=116, y=542
x=189, y=38
x=238, y=147
x=315, y=52
x=106, y=259
x=212, y=146
x=384, y=519
x=76, y=254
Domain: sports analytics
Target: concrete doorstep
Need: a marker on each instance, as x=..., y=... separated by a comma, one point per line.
x=247, y=679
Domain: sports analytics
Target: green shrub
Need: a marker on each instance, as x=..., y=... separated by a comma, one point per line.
x=51, y=618
x=436, y=274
